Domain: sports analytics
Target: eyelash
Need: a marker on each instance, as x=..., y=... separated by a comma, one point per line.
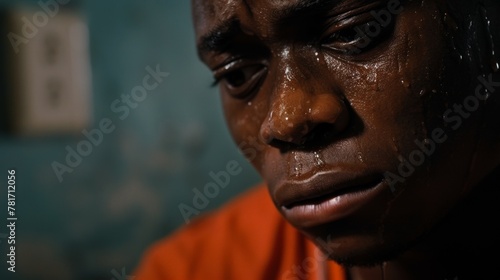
x=241, y=77
x=334, y=31
x=216, y=82
x=217, y=79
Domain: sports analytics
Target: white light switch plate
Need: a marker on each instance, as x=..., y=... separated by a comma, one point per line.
x=50, y=69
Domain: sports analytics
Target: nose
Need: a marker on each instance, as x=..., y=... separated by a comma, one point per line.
x=298, y=107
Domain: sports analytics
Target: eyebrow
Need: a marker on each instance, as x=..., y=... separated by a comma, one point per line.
x=304, y=7
x=220, y=38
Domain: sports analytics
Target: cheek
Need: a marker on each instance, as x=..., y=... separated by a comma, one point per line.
x=244, y=119
x=393, y=94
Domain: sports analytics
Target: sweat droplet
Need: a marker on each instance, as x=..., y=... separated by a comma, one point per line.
x=360, y=157
x=295, y=167
x=298, y=169
x=394, y=145
x=496, y=66
x=450, y=22
x=401, y=158
x=493, y=60
x=317, y=159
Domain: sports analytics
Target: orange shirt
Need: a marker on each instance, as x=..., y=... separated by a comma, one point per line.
x=245, y=240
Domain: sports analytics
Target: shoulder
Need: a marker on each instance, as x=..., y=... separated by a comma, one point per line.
x=242, y=219
x=242, y=216
x=247, y=239
x=244, y=231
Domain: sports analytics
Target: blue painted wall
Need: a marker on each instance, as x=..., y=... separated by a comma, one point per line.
x=125, y=195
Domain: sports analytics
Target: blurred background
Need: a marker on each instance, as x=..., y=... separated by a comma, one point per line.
x=88, y=205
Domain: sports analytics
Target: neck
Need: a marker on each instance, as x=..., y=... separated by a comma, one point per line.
x=461, y=247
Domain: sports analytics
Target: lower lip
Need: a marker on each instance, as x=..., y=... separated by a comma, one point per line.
x=331, y=209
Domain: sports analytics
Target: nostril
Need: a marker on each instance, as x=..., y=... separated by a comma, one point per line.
x=321, y=133
x=265, y=134
x=294, y=124
x=318, y=136
x=281, y=145
x=292, y=131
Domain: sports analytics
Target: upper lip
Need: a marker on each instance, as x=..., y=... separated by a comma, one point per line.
x=325, y=184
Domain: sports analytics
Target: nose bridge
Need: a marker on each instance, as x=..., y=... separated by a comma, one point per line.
x=288, y=73
x=298, y=102
x=289, y=101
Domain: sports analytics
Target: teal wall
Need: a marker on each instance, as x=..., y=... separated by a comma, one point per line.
x=125, y=195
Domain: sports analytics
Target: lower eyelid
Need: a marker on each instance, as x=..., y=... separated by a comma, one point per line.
x=251, y=86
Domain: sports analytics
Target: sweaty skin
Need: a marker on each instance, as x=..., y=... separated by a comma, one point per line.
x=365, y=141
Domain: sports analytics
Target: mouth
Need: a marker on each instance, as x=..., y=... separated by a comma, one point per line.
x=327, y=196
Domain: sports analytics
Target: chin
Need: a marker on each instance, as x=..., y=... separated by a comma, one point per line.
x=364, y=251
x=367, y=257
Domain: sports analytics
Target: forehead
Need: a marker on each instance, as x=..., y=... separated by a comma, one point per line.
x=211, y=14
x=217, y=19
x=208, y=14
x=229, y=8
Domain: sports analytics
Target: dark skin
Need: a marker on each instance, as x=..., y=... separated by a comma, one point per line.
x=336, y=115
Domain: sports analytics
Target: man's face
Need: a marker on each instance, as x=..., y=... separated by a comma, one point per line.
x=343, y=108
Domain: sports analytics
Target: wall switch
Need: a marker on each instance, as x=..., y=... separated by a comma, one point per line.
x=49, y=68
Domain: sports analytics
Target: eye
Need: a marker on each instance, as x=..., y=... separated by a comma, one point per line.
x=240, y=79
x=352, y=37
x=348, y=35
